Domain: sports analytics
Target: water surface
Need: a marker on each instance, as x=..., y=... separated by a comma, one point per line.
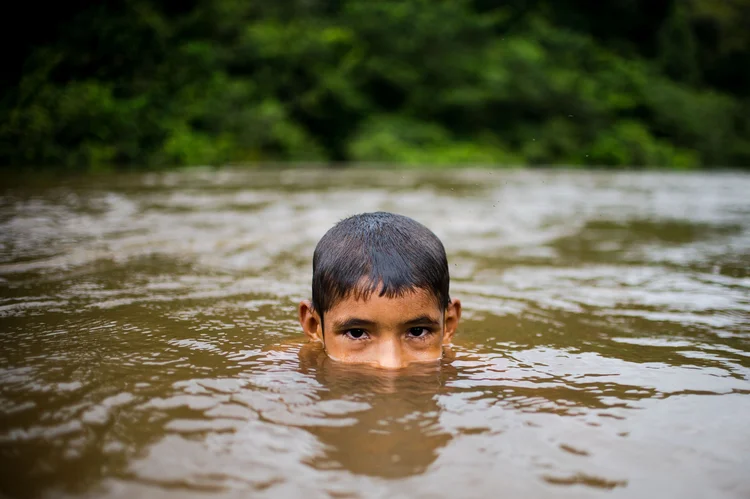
x=150, y=348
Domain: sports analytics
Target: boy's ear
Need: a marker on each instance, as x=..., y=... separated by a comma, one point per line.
x=452, y=317
x=310, y=321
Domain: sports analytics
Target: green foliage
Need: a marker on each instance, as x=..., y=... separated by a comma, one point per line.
x=400, y=140
x=630, y=143
x=413, y=82
x=677, y=47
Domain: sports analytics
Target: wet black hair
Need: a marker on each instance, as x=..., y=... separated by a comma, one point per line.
x=378, y=251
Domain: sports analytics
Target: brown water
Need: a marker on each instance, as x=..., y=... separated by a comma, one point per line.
x=150, y=349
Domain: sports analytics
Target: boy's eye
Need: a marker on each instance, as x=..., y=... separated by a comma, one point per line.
x=356, y=334
x=419, y=332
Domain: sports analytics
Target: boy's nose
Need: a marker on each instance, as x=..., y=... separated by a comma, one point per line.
x=390, y=355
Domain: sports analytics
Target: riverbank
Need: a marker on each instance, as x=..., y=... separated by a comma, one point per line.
x=412, y=83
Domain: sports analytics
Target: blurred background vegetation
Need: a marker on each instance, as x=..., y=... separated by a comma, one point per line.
x=136, y=83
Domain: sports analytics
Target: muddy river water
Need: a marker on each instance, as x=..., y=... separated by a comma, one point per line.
x=149, y=345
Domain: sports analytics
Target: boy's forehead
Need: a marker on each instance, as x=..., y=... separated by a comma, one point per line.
x=407, y=303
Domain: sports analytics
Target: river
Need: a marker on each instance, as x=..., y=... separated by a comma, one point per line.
x=150, y=346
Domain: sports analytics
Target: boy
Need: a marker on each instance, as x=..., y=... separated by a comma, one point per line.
x=380, y=293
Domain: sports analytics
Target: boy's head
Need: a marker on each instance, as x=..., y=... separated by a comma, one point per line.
x=380, y=292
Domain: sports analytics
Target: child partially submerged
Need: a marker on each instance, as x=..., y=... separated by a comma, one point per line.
x=380, y=293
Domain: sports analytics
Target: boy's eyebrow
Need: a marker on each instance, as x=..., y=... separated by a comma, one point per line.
x=351, y=323
x=422, y=319
x=355, y=322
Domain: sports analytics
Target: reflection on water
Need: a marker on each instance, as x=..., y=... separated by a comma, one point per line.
x=396, y=431
x=149, y=346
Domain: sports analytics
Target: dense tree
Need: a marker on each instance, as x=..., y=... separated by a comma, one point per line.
x=574, y=82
